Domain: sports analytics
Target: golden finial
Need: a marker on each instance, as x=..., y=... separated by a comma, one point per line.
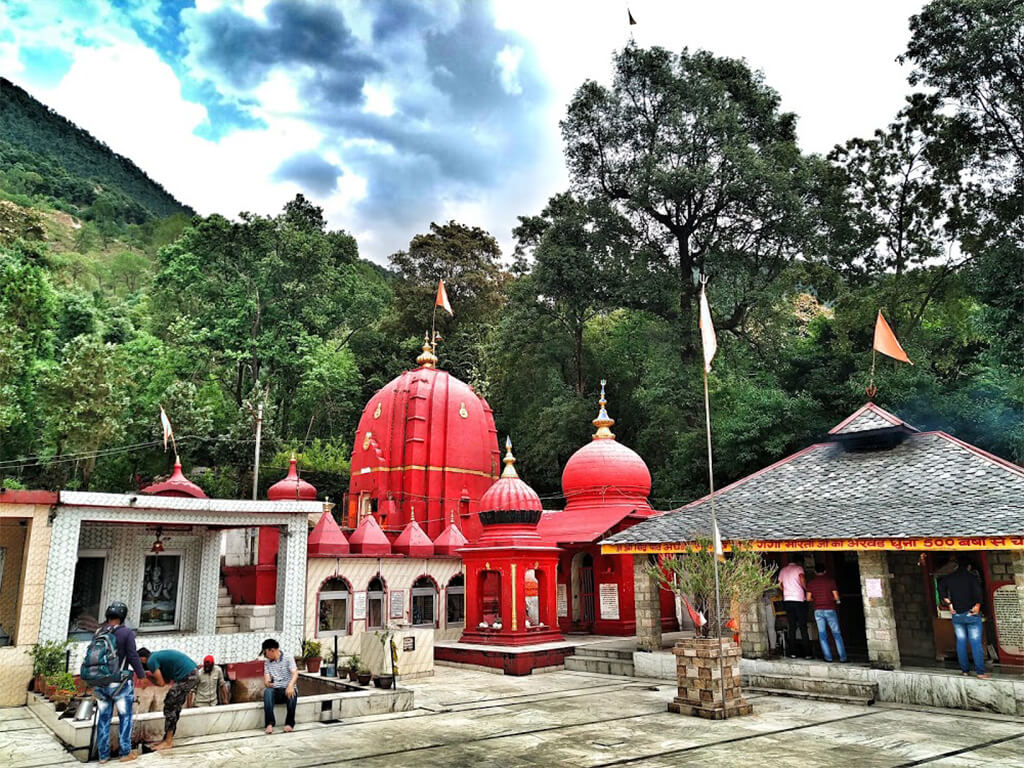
x=510, y=460
x=603, y=420
x=427, y=357
x=412, y=513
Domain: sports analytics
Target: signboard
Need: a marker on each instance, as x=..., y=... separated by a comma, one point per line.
x=358, y=606
x=609, y=601
x=397, y=604
x=409, y=643
x=562, y=600
x=1006, y=610
x=873, y=587
x=829, y=545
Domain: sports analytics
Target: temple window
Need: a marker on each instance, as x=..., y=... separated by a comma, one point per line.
x=490, y=596
x=424, y=602
x=333, y=609
x=161, y=593
x=455, y=601
x=375, y=604
x=87, y=595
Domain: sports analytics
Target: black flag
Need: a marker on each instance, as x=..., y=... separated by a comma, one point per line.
x=632, y=21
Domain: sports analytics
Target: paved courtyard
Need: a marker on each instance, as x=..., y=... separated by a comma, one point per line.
x=469, y=718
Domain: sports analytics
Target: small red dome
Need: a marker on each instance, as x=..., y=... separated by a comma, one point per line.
x=412, y=541
x=176, y=485
x=327, y=540
x=605, y=467
x=292, y=487
x=509, y=492
x=449, y=540
x=369, y=539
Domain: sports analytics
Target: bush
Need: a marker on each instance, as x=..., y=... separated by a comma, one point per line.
x=62, y=681
x=311, y=649
x=48, y=658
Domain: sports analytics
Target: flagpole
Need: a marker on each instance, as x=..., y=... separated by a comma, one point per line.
x=714, y=529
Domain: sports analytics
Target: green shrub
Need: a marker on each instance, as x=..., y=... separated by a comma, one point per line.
x=48, y=657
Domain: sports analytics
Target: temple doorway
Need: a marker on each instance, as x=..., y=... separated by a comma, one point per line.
x=582, y=582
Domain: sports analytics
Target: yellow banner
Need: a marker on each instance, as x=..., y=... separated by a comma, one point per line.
x=824, y=545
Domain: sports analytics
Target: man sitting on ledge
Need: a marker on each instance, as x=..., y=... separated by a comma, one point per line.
x=279, y=675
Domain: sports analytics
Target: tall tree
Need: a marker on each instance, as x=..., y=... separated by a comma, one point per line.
x=694, y=150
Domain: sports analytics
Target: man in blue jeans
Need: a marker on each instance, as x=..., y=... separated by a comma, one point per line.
x=279, y=675
x=118, y=695
x=961, y=591
x=824, y=593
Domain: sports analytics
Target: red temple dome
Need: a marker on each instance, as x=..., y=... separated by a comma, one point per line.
x=412, y=541
x=369, y=539
x=327, y=540
x=292, y=487
x=424, y=439
x=605, y=467
x=450, y=540
x=176, y=485
x=510, y=493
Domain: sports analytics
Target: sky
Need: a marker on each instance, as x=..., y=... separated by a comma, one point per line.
x=391, y=114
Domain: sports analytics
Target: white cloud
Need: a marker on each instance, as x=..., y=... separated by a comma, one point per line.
x=508, y=64
x=379, y=99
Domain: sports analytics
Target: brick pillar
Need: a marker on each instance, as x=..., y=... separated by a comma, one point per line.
x=648, y=607
x=879, y=618
x=753, y=633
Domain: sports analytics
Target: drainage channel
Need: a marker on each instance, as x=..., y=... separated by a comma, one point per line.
x=961, y=751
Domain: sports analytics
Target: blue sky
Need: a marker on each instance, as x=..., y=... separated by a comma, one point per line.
x=394, y=113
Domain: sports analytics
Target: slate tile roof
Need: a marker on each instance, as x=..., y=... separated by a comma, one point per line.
x=930, y=484
x=866, y=418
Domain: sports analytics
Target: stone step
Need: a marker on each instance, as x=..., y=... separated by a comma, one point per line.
x=825, y=687
x=600, y=666
x=228, y=629
x=809, y=696
x=615, y=654
x=225, y=610
x=223, y=600
x=222, y=592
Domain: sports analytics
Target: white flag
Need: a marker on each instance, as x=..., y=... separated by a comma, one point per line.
x=166, y=424
x=707, y=332
x=719, y=552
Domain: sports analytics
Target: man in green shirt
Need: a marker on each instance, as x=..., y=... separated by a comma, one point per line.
x=177, y=670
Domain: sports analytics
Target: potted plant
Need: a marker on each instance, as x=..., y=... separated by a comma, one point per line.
x=64, y=689
x=353, y=667
x=742, y=578
x=386, y=677
x=327, y=670
x=363, y=675
x=48, y=659
x=311, y=653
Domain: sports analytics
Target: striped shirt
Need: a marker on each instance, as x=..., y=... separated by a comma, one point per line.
x=280, y=671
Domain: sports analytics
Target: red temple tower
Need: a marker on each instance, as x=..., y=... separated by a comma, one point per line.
x=510, y=570
x=426, y=441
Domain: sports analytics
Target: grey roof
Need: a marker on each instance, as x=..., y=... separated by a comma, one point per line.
x=869, y=417
x=929, y=485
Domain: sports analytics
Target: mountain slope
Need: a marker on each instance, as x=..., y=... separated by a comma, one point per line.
x=46, y=157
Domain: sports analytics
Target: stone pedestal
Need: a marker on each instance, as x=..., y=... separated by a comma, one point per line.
x=647, y=606
x=699, y=671
x=879, y=617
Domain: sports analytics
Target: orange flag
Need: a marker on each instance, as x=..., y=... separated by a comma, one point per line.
x=442, y=298
x=886, y=342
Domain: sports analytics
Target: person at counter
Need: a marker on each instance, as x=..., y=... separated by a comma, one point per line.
x=961, y=591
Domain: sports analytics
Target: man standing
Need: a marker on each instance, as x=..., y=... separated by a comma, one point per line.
x=177, y=670
x=824, y=593
x=794, y=602
x=212, y=688
x=961, y=590
x=118, y=692
x=279, y=675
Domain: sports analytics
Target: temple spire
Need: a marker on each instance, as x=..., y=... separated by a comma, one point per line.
x=510, y=460
x=603, y=422
x=427, y=358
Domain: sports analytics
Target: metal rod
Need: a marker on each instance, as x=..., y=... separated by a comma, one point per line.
x=714, y=528
x=259, y=435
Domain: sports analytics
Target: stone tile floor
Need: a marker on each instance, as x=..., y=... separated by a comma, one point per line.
x=470, y=718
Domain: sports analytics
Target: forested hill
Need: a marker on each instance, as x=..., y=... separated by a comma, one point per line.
x=50, y=159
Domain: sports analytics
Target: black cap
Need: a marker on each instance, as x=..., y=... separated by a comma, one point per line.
x=117, y=610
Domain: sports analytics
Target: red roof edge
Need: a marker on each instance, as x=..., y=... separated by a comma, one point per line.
x=896, y=421
x=11, y=496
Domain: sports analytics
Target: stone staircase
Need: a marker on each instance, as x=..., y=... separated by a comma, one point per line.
x=603, y=661
x=227, y=622
x=813, y=688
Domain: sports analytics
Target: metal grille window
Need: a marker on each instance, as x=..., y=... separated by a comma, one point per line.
x=375, y=604
x=424, y=601
x=333, y=609
x=455, y=602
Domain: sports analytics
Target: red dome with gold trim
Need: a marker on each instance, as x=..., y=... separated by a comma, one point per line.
x=425, y=440
x=510, y=493
x=292, y=487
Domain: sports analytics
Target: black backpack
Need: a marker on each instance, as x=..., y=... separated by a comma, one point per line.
x=100, y=667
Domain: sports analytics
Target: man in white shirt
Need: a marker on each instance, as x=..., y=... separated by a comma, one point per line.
x=793, y=583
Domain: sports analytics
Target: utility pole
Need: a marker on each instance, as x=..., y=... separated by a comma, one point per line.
x=256, y=480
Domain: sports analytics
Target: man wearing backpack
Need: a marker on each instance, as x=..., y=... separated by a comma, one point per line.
x=106, y=668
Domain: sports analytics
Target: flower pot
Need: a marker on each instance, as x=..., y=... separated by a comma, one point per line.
x=385, y=681
x=300, y=662
x=363, y=678
x=50, y=691
x=313, y=665
x=353, y=675
x=327, y=670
